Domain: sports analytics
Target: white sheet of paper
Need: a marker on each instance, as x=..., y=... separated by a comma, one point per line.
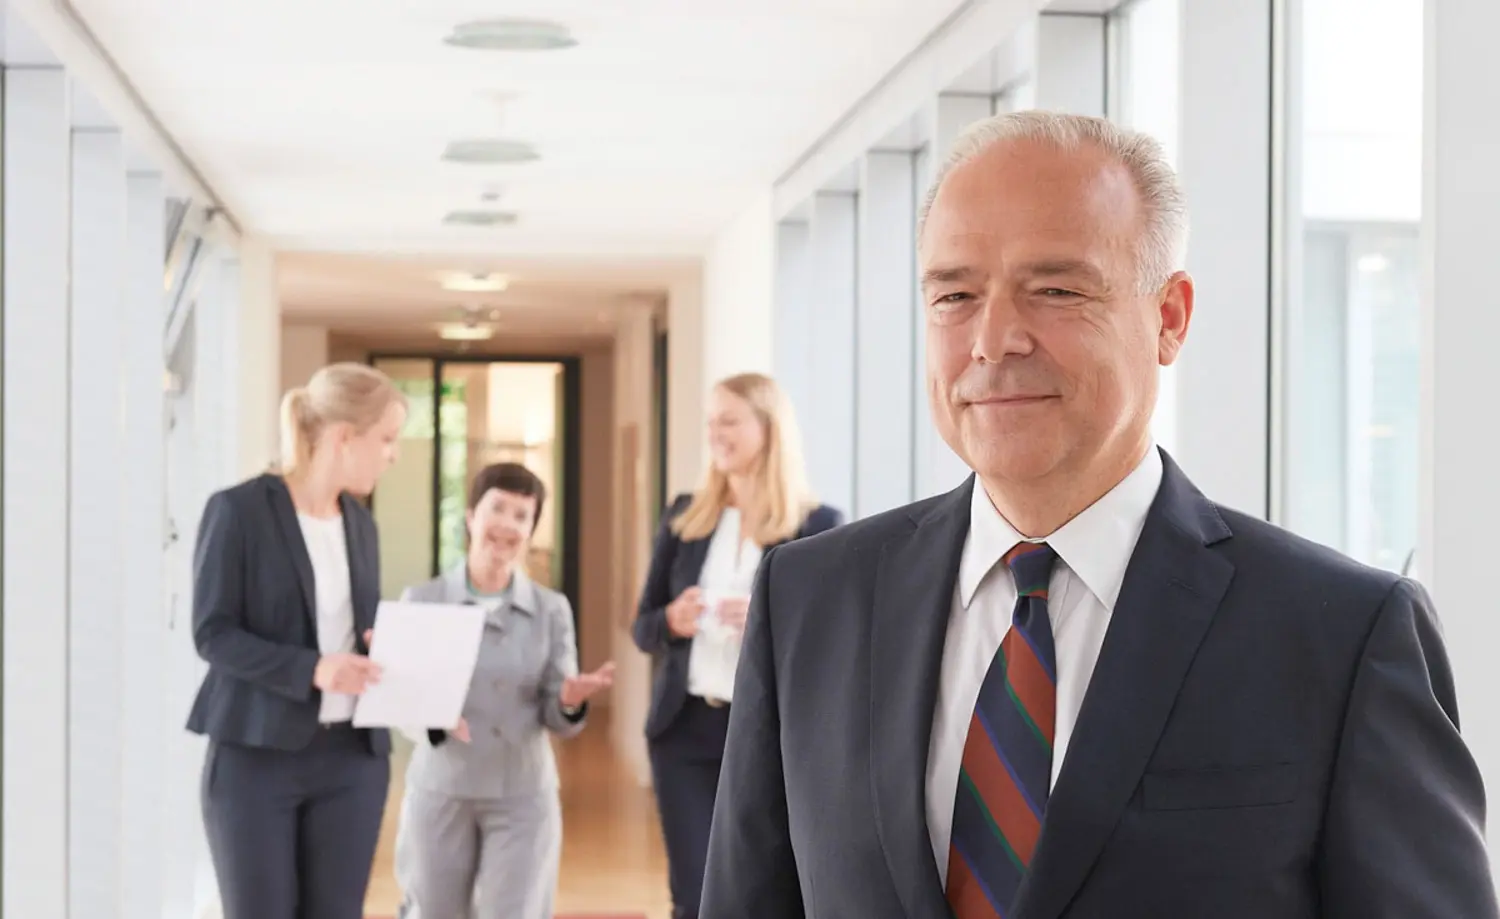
x=427, y=653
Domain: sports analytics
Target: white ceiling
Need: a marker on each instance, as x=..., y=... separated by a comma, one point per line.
x=322, y=123
x=356, y=293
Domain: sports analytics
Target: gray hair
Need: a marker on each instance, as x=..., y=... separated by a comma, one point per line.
x=1164, y=240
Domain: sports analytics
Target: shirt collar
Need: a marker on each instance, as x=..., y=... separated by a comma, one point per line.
x=521, y=594
x=1096, y=545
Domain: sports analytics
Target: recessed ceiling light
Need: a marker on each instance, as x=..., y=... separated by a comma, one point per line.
x=475, y=283
x=490, y=150
x=511, y=35
x=462, y=331
x=1373, y=263
x=480, y=218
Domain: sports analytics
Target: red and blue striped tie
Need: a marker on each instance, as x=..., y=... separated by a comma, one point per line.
x=1007, y=763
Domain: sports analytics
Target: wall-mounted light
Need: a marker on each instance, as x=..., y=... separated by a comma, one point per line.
x=511, y=35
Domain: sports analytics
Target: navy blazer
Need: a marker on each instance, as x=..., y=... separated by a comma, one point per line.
x=676, y=565
x=1270, y=730
x=255, y=615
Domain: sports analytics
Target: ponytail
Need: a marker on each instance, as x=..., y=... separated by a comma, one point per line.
x=296, y=430
x=352, y=394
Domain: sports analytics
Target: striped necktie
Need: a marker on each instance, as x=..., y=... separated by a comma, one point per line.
x=1007, y=762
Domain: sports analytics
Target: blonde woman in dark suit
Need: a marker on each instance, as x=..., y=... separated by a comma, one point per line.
x=286, y=578
x=692, y=610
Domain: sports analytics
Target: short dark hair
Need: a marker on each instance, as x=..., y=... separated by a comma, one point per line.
x=508, y=477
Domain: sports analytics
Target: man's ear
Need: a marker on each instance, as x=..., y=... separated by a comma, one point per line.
x=1176, y=315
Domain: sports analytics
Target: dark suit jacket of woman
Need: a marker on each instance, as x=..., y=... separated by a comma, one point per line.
x=676, y=565
x=255, y=615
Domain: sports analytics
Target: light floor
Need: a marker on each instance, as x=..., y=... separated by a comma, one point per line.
x=612, y=860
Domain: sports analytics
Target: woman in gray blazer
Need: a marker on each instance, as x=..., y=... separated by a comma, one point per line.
x=481, y=826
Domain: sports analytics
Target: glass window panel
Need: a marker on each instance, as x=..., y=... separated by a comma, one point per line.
x=1350, y=413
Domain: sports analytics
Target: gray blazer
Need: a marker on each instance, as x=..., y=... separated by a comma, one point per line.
x=528, y=649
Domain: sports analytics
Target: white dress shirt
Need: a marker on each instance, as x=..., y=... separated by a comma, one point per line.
x=329, y=553
x=728, y=571
x=1093, y=551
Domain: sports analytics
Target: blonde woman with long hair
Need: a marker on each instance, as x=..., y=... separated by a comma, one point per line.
x=286, y=577
x=692, y=610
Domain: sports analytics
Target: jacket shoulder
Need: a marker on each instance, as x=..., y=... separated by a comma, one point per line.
x=431, y=590
x=248, y=495
x=1300, y=568
x=859, y=535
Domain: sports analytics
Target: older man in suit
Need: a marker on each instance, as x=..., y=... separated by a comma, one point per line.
x=1075, y=687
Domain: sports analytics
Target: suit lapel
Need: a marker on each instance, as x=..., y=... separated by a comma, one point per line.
x=362, y=582
x=296, y=547
x=1172, y=587
x=913, y=599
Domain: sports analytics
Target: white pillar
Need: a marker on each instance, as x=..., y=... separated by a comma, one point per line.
x=250, y=290
x=1223, y=384
x=687, y=385
x=96, y=495
x=936, y=468
x=1460, y=492
x=142, y=602
x=888, y=332
x=36, y=167
x=828, y=415
x=792, y=347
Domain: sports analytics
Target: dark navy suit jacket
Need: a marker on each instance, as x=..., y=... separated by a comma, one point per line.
x=1270, y=730
x=676, y=565
x=255, y=615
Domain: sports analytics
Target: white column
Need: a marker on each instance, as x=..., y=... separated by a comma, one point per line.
x=1459, y=488
x=1223, y=385
x=792, y=347
x=96, y=494
x=36, y=167
x=888, y=324
x=142, y=602
x=1070, y=60
x=688, y=383
x=828, y=416
x=936, y=468
x=252, y=290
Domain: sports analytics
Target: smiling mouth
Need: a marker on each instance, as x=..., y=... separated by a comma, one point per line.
x=1014, y=400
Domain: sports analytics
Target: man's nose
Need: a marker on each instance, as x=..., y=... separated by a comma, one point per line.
x=1000, y=330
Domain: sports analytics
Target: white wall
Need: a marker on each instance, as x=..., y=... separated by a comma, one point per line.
x=304, y=349
x=738, y=291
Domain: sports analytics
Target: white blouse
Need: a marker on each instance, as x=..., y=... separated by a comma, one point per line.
x=329, y=554
x=728, y=571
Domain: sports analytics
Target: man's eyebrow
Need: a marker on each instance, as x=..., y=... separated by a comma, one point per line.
x=1062, y=267
x=946, y=275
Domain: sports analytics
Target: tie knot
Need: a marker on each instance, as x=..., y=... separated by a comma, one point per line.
x=1031, y=564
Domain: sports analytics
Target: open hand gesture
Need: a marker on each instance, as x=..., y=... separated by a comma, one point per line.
x=577, y=690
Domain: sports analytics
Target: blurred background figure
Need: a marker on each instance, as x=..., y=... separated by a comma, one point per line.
x=482, y=824
x=287, y=580
x=692, y=610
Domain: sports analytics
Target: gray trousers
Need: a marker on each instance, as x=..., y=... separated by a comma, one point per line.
x=458, y=858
